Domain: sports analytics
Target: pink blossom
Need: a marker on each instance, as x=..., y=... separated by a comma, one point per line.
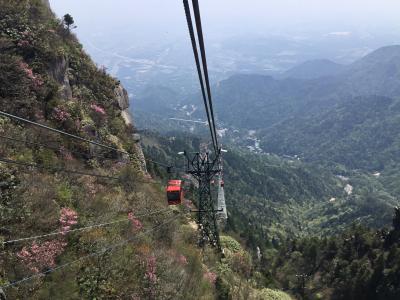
x=28, y=71
x=182, y=260
x=210, y=276
x=151, y=265
x=60, y=114
x=37, y=81
x=136, y=224
x=39, y=256
x=98, y=109
x=39, y=116
x=23, y=43
x=68, y=218
x=90, y=185
x=65, y=153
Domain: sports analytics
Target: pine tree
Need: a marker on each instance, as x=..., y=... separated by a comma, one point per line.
x=68, y=21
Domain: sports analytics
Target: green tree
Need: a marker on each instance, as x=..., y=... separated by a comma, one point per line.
x=68, y=21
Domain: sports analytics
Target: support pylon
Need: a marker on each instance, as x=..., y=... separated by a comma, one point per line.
x=204, y=170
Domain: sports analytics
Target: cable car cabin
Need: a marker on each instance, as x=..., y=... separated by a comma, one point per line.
x=174, y=192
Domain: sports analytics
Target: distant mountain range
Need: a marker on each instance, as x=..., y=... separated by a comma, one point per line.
x=357, y=107
x=314, y=69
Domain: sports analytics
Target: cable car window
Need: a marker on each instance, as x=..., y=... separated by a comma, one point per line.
x=173, y=196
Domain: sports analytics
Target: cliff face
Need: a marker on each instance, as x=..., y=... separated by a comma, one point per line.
x=123, y=102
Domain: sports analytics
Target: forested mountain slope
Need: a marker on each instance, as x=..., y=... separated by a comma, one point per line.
x=360, y=132
x=360, y=263
x=307, y=234
x=270, y=198
x=82, y=220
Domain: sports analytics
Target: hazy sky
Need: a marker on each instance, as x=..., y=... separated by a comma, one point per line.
x=225, y=16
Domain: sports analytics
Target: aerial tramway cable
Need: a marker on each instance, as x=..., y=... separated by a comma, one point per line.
x=70, y=136
x=90, y=227
x=199, y=72
x=14, y=162
x=196, y=10
x=58, y=149
x=2, y=113
x=201, y=166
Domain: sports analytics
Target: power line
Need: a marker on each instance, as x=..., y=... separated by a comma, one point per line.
x=191, y=121
x=45, y=146
x=196, y=10
x=9, y=161
x=80, y=229
x=72, y=151
x=200, y=166
x=62, y=132
x=197, y=60
x=159, y=163
x=110, y=248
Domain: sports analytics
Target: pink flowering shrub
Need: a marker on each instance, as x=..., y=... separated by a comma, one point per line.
x=151, y=276
x=182, y=260
x=61, y=114
x=36, y=79
x=98, y=109
x=151, y=264
x=65, y=153
x=210, y=276
x=68, y=218
x=136, y=224
x=23, y=43
x=39, y=116
x=91, y=188
x=25, y=40
x=40, y=256
x=28, y=71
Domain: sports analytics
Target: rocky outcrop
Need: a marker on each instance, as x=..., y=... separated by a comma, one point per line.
x=121, y=95
x=60, y=73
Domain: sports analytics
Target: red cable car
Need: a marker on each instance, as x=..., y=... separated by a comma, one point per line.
x=174, y=192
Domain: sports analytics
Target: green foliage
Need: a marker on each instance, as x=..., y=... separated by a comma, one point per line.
x=64, y=195
x=130, y=177
x=47, y=158
x=273, y=295
x=230, y=244
x=353, y=265
x=68, y=21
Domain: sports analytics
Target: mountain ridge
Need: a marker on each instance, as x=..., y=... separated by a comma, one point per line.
x=313, y=69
